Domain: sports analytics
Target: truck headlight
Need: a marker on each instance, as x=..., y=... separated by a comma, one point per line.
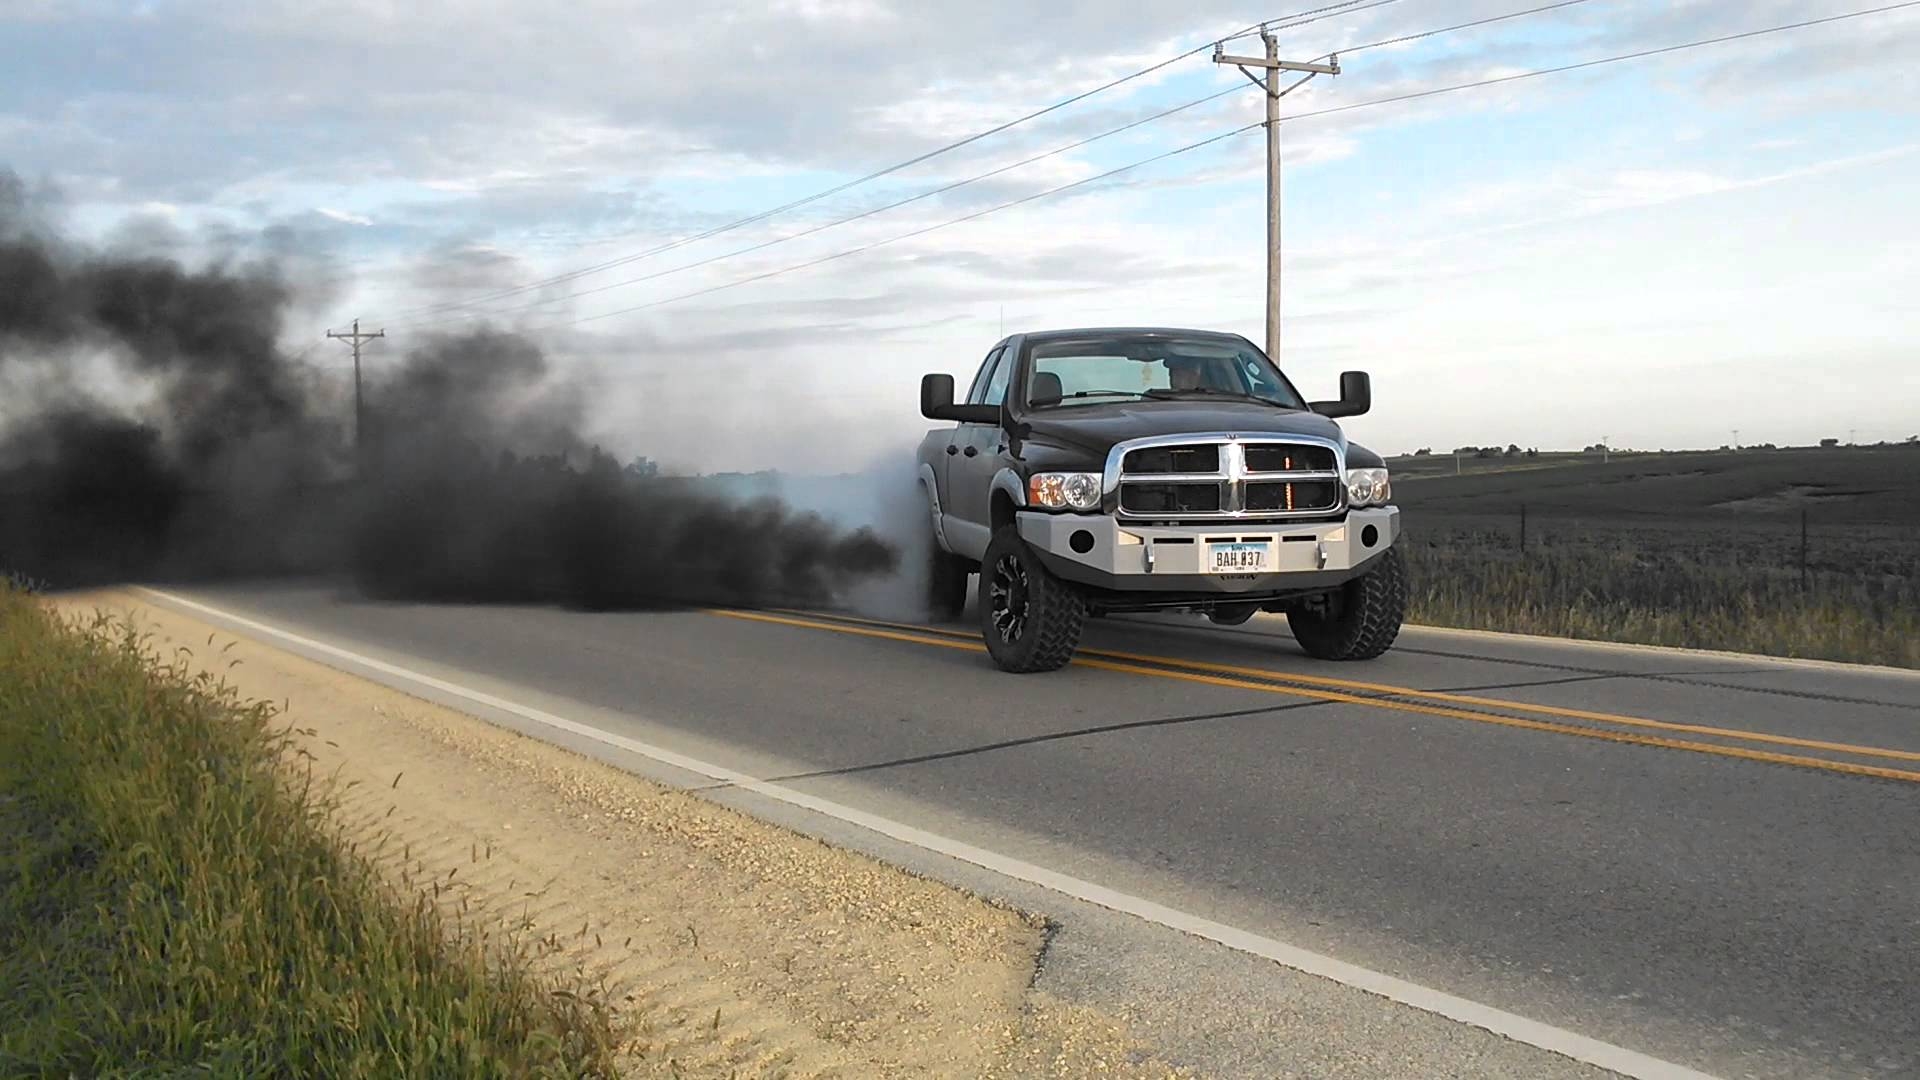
x=1064, y=490
x=1368, y=487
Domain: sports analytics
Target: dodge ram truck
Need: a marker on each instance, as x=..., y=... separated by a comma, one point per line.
x=1127, y=470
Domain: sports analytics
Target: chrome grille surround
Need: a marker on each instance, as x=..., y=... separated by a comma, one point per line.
x=1231, y=477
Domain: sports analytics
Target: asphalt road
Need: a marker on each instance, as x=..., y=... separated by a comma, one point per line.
x=1712, y=860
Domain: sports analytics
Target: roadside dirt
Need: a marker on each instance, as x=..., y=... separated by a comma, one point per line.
x=727, y=946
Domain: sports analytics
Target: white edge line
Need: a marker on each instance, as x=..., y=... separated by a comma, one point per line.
x=1837, y=667
x=1510, y=1025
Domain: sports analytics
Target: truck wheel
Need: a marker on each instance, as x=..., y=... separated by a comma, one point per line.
x=1361, y=618
x=1030, y=619
x=946, y=584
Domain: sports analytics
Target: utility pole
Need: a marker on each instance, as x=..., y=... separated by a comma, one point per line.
x=1606, y=452
x=1273, y=66
x=356, y=338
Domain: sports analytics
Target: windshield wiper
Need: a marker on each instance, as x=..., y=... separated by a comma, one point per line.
x=1104, y=393
x=1208, y=391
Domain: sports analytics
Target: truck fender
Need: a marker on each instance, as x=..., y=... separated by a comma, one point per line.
x=932, y=488
x=1009, y=481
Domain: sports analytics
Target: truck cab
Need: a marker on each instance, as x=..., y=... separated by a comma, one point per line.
x=1153, y=469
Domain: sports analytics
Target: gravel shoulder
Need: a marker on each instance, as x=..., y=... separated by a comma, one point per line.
x=726, y=946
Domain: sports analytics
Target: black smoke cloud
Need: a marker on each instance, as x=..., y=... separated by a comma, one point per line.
x=151, y=428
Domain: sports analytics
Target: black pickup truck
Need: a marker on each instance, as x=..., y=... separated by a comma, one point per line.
x=1095, y=471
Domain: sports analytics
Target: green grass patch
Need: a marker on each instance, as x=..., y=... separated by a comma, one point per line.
x=174, y=899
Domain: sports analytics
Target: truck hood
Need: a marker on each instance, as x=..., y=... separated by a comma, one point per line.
x=1094, y=429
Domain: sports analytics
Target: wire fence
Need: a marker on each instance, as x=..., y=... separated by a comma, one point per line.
x=1794, y=586
x=1803, y=542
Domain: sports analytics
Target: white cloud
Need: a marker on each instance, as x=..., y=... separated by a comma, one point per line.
x=481, y=146
x=838, y=10
x=1648, y=187
x=342, y=216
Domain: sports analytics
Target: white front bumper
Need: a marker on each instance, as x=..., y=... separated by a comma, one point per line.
x=1130, y=557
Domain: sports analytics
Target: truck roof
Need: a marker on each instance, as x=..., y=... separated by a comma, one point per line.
x=1168, y=331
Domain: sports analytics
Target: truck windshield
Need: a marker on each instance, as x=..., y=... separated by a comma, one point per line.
x=1095, y=369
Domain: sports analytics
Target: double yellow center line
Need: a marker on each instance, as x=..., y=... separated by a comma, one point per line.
x=1400, y=699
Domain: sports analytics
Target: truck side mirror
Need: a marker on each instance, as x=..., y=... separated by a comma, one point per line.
x=936, y=396
x=1356, y=397
x=936, y=403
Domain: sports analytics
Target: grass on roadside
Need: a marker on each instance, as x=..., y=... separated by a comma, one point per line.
x=1621, y=595
x=173, y=896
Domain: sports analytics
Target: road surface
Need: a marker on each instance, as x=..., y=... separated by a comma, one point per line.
x=1711, y=861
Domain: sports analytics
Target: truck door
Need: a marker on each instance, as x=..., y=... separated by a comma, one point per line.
x=971, y=470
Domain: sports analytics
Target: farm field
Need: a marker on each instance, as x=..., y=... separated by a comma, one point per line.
x=1801, y=552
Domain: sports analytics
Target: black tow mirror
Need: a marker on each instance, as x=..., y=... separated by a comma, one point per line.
x=936, y=396
x=1356, y=397
x=936, y=403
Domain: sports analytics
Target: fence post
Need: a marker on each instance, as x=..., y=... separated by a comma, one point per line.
x=1523, y=527
x=1803, y=548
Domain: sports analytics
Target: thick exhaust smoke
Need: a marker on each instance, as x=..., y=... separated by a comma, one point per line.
x=151, y=428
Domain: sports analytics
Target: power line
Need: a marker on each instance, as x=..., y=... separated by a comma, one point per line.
x=1209, y=141
x=1282, y=22
x=301, y=355
x=1288, y=23
x=1392, y=99
x=943, y=189
x=955, y=185
x=1458, y=26
x=1641, y=55
x=929, y=193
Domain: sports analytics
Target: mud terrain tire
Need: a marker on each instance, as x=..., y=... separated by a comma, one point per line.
x=946, y=583
x=1362, y=617
x=1030, y=619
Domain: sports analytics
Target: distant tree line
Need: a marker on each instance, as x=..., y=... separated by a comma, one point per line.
x=1514, y=450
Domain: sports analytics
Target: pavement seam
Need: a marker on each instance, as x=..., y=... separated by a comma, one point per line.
x=1008, y=744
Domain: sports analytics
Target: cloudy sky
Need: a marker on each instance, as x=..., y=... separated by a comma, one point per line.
x=1658, y=251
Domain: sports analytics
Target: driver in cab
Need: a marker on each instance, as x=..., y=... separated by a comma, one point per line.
x=1185, y=373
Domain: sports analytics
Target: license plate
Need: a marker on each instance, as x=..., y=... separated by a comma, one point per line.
x=1236, y=558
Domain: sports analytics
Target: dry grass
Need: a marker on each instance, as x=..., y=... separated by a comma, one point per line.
x=1654, y=587
x=1697, y=550
x=173, y=899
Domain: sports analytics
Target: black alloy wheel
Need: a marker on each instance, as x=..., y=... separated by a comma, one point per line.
x=1029, y=618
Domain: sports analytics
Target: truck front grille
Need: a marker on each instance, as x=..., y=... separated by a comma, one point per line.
x=1289, y=457
x=1139, y=498
x=1281, y=495
x=1201, y=458
x=1218, y=477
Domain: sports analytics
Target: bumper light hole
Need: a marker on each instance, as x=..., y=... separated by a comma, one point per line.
x=1082, y=541
x=1370, y=535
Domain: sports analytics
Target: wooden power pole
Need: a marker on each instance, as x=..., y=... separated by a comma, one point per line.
x=356, y=339
x=1273, y=66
